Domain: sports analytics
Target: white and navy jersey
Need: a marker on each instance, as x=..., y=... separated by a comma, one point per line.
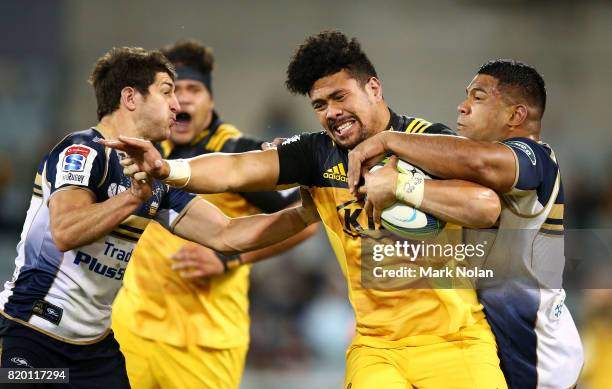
x=539, y=345
x=68, y=295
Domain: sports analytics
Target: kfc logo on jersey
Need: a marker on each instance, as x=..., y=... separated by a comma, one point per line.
x=74, y=165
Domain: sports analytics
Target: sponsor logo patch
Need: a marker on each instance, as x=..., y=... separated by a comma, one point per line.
x=74, y=158
x=48, y=311
x=74, y=165
x=336, y=173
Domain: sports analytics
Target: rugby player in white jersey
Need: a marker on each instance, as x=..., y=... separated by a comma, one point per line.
x=539, y=346
x=85, y=218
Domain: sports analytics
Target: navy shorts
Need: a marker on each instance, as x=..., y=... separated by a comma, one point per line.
x=98, y=365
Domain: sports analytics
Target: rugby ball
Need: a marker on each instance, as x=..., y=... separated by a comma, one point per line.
x=405, y=221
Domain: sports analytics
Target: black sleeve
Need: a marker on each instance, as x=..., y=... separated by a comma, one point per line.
x=270, y=202
x=439, y=128
x=296, y=158
x=241, y=145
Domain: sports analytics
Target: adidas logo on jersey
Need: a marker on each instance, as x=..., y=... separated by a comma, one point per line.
x=336, y=173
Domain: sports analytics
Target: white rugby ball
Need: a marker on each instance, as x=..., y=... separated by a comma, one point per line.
x=404, y=220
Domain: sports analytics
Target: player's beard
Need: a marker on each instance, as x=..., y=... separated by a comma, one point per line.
x=357, y=134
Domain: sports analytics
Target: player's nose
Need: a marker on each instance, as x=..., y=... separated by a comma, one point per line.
x=175, y=106
x=333, y=112
x=463, y=108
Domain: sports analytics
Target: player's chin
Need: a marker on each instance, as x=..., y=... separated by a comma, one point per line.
x=347, y=142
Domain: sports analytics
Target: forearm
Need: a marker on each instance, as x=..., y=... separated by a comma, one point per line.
x=84, y=225
x=461, y=202
x=452, y=157
x=254, y=232
x=244, y=172
x=278, y=248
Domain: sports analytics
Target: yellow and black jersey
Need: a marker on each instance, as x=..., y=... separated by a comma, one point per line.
x=385, y=318
x=156, y=303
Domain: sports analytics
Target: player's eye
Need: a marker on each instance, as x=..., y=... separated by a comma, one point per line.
x=318, y=107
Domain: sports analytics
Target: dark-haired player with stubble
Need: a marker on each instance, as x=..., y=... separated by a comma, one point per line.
x=177, y=325
x=425, y=338
x=539, y=345
x=85, y=218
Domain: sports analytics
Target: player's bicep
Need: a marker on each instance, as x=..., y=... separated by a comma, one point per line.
x=65, y=201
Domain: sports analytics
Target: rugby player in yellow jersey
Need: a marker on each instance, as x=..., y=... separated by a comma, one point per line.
x=175, y=328
x=423, y=338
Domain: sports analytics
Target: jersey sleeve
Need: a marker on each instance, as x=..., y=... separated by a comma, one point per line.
x=241, y=145
x=77, y=161
x=422, y=126
x=173, y=206
x=534, y=166
x=440, y=129
x=296, y=158
x=270, y=202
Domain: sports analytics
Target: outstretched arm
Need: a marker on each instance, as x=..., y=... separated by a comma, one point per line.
x=205, y=224
x=490, y=164
x=211, y=173
x=196, y=261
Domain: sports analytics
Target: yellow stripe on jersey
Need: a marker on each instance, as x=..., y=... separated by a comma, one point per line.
x=556, y=212
x=166, y=147
x=341, y=167
x=421, y=128
x=554, y=227
x=135, y=221
x=222, y=135
x=417, y=125
x=200, y=136
x=37, y=189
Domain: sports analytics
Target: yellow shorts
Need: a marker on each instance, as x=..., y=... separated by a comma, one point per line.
x=154, y=364
x=469, y=364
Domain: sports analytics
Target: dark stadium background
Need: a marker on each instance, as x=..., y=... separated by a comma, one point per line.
x=425, y=53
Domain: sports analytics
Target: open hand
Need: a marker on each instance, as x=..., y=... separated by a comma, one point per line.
x=143, y=157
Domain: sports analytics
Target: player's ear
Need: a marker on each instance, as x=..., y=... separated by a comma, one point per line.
x=375, y=88
x=519, y=115
x=128, y=98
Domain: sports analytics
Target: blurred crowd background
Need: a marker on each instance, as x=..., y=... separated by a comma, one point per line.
x=425, y=52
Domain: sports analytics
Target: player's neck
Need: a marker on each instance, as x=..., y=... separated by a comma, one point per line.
x=383, y=118
x=530, y=131
x=115, y=124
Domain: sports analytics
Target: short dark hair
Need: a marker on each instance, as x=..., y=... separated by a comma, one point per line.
x=190, y=53
x=521, y=78
x=126, y=66
x=324, y=54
